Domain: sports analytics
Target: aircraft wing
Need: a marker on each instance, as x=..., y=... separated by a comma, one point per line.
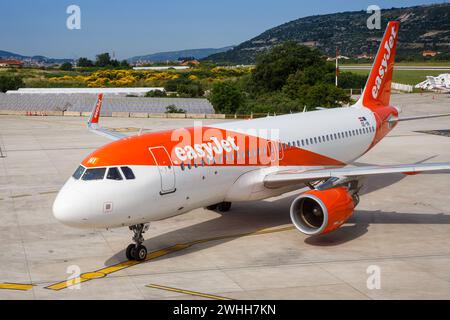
x=294, y=177
x=420, y=117
x=93, y=125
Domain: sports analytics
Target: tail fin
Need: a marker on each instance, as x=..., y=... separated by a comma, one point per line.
x=95, y=115
x=377, y=92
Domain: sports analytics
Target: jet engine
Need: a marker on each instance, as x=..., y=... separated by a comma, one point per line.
x=322, y=211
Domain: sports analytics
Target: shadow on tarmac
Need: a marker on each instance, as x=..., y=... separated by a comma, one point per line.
x=245, y=218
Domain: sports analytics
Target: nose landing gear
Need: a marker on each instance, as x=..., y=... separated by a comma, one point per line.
x=137, y=251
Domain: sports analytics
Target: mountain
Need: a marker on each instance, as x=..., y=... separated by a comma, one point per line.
x=421, y=28
x=175, y=55
x=32, y=59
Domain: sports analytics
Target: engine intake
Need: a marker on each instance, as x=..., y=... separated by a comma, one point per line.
x=320, y=212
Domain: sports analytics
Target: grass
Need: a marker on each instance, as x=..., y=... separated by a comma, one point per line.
x=411, y=77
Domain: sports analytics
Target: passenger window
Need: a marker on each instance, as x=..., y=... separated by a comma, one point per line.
x=94, y=174
x=78, y=173
x=114, y=174
x=128, y=173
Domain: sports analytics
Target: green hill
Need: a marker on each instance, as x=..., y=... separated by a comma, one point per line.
x=174, y=55
x=421, y=28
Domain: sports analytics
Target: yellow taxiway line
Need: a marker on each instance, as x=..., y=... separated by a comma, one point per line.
x=192, y=293
x=101, y=273
x=15, y=286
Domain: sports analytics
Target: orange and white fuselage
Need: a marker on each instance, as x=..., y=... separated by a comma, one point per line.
x=168, y=183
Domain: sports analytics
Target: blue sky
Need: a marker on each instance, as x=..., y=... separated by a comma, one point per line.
x=137, y=27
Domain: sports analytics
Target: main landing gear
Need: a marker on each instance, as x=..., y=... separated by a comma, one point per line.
x=137, y=251
x=221, y=207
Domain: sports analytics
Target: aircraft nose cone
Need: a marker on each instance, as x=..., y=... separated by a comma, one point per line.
x=69, y=208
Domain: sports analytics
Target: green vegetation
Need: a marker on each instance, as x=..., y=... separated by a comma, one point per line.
x=288, y=78
x=411, y=77
x=156, y=94
x=174, y=109
x=185, y=87
x=227, y=97
x=10, y=83
x=66, y=66
x=103, y=61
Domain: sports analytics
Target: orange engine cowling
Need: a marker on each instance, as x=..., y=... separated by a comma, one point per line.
x=319, y=212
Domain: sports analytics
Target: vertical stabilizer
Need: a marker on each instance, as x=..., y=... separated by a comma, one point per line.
x=377, y=92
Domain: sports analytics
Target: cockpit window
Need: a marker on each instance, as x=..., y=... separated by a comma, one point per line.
x=94, y=174
x=78, y=173
x=128, y=173
x=114, y=174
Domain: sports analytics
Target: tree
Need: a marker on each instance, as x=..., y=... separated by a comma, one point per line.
x=174, y=109
x=326, y=96
x=84, y=63
x=350, y=80
x=227, y=97
x=124, y=64
x=66, y=66
x=103, y=60
x=274, y=67
x=191, y=90
x=10, y=83
x=156, y=94
x=185, y=87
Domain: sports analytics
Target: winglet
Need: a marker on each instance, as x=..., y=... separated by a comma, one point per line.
x=93, y=125
x=95, y=115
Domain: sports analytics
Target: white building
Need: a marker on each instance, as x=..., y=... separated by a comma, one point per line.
x=162, y=68
x=107, y=91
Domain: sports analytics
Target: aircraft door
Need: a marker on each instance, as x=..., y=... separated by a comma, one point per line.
x=165, y=168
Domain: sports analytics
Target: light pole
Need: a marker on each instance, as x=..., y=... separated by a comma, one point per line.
x=337, y=65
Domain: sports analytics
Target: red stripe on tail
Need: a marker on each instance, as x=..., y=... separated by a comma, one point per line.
x=377, y=92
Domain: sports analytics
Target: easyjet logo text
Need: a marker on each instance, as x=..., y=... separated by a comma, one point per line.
x=383, y=69
x=209, y=149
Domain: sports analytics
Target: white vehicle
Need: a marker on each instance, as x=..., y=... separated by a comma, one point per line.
x=138, y=179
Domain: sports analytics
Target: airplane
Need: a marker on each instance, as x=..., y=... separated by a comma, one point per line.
x=440, y=83
x=147, y=177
